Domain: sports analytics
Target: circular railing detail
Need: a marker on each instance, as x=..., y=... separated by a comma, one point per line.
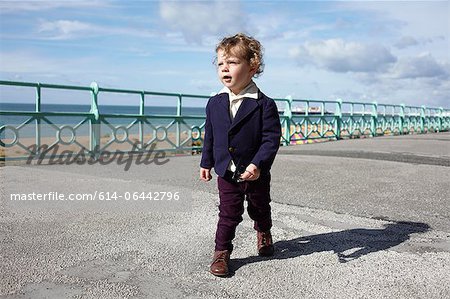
x=15, y=133
x=60, y=135
x=121, y=134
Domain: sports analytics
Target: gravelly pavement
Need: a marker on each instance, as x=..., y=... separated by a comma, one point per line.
x=345, y=227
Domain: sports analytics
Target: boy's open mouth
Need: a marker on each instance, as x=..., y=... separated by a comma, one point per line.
x=227, y=77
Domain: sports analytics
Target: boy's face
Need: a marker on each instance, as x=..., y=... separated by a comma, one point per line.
x=234, y=72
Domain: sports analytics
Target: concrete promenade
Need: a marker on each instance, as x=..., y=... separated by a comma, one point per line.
x=365, y=218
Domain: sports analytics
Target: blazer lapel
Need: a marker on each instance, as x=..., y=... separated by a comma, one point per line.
x=224, y=105
x=247, y=106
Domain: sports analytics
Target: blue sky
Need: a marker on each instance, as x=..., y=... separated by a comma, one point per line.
x=389, y=51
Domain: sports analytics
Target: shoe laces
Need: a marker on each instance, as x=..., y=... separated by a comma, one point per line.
x=221, y=256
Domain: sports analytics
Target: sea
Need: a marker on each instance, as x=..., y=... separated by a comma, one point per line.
x=29, y=130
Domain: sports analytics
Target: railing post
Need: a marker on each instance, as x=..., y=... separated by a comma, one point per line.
x=141, y=122
x=38, y=120
x=322, y=113
x=441, y=119
x=352, y=128
x=338, y=115
x=95, y=122
x=446, y=119
x=307, y=121
x=179, y=106
x=422, y=119
x=401, y=120
x=374, y=120
x=287, y=124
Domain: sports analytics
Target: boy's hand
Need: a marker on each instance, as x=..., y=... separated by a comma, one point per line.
x=251, y=173
x=205, y=174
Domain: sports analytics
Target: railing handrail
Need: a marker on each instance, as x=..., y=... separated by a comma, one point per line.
x=301, y=119
x=146, y=92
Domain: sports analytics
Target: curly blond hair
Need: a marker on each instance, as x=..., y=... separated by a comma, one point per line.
x=245, y=47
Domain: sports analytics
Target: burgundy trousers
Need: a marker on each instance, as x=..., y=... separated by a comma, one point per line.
x=231, y=207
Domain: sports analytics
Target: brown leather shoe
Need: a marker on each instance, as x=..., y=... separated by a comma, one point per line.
x=219, y=266
x=265, y=243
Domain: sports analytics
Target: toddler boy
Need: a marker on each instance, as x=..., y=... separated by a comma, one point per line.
x=242, y=136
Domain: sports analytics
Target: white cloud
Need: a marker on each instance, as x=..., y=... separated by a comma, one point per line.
x=72, y=29
x=419, y=18
x=198, y=20
x=376, y=74
x=409, y=41
x=425, y=21
x=422, y=66
x=339, y=56
x=405, y=42
x=40, y=5
x=413, y=80
x=64, y=29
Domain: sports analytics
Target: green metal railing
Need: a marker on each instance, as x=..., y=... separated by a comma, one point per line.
x=316, y=119
x=178, y=132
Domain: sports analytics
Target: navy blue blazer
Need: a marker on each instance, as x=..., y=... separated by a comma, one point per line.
x=252, y=137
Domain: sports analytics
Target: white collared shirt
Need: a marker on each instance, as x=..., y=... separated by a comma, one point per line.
x=250, y=91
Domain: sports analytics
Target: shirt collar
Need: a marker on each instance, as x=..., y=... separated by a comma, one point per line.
x=250, y=91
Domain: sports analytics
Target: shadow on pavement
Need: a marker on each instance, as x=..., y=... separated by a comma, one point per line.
x=347, y=244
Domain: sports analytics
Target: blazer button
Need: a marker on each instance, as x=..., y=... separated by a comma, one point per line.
x=231, y=149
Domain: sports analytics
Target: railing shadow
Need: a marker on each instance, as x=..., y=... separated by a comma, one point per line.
x=348, y=245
